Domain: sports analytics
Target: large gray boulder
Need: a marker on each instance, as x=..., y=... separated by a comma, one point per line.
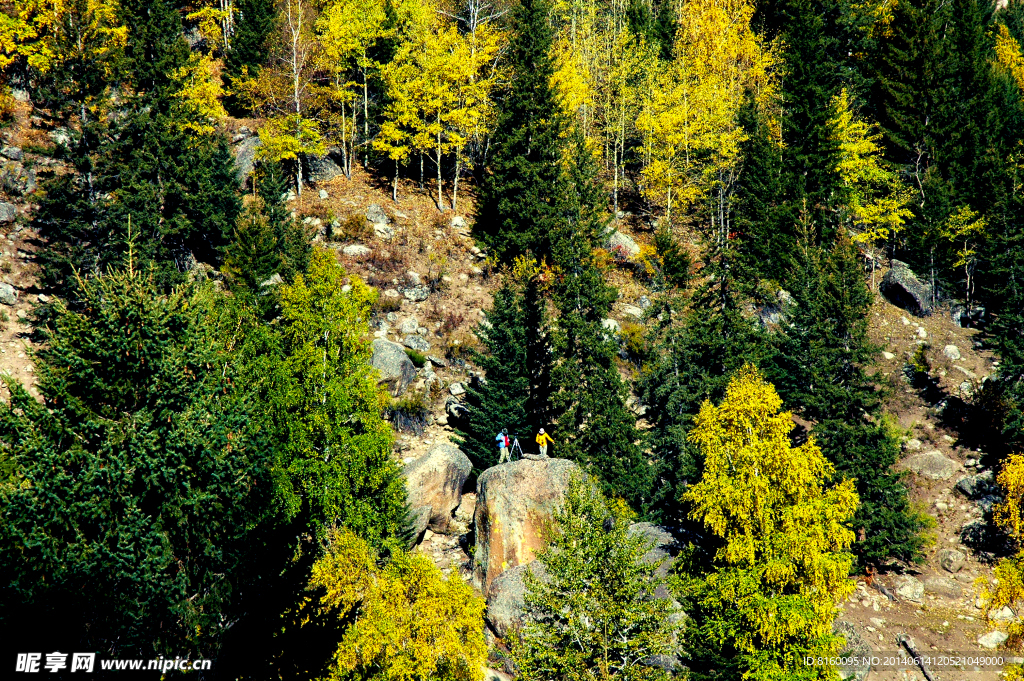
x=978, y=486
x=515, y=502
x=8, y=212
x=903, y=289
x=323, y=168
x=624, y=244
x=245, y=157
x=435, y=480
x=932, y=465
x=394, y=366
x=506, y=599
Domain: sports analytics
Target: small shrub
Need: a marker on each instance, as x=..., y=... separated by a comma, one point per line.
x=7, y=107
x=353, y=228
x=634, y=343
x=408, y=414
x=385, y=304
x=418, y=358
x=452, y=321
x=460, y=345
x=919, y=362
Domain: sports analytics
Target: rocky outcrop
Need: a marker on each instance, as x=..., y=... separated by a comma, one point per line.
x=323, y=168
x=903, y=289
x=435, y=480
x=506, y=599
x=623, y=244
x=394, y=366
x=8, y=212
x=932, y=465
x=245, y=157
x=514, y=503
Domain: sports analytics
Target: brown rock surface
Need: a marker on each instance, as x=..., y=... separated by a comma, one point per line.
x=435, y=481
x=514, y=503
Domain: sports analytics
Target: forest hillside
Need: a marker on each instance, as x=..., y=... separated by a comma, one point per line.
x=738, y=280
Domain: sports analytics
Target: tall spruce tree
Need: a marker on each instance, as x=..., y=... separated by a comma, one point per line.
x=144, y=476
x=178, y=187
x=516, y=210
x=588, y=394
x=505, y=398
x=819, y=370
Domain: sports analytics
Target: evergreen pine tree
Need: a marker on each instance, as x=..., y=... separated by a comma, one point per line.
x=145, y=476
x=819, y=369
x=516, y=207
x=253, y=255
x=175, y=188
x=588, y=395
x=253, y=30
x=500, y=399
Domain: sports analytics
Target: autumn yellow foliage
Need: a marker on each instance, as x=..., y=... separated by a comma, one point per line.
x=690, y=127
x=783, y=563
x=411, y=623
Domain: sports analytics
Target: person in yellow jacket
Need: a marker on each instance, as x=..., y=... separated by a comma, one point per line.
x=542, y=441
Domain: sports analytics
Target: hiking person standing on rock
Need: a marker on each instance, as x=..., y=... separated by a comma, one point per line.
x=542, y=441
x=502, y=440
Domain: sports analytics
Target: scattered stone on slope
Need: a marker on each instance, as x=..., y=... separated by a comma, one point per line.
x=943, y=586
x=952, y=352
x=356, y=251
x=909, y=588
x=624, y=244
x=417, y=343
x=435, y=480
x=394, y=366
x=951, y=560
x=8, y=294
x=992, y=639
x=375, y=215
x=932, y=465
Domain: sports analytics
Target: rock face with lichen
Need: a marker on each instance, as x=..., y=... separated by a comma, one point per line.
x=903, y=289
x=434, y=481
x=515, y=502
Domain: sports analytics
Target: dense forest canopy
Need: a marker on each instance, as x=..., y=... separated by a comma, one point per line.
x=206, y=465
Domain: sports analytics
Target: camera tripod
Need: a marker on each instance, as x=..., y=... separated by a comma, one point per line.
x=515, y=447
